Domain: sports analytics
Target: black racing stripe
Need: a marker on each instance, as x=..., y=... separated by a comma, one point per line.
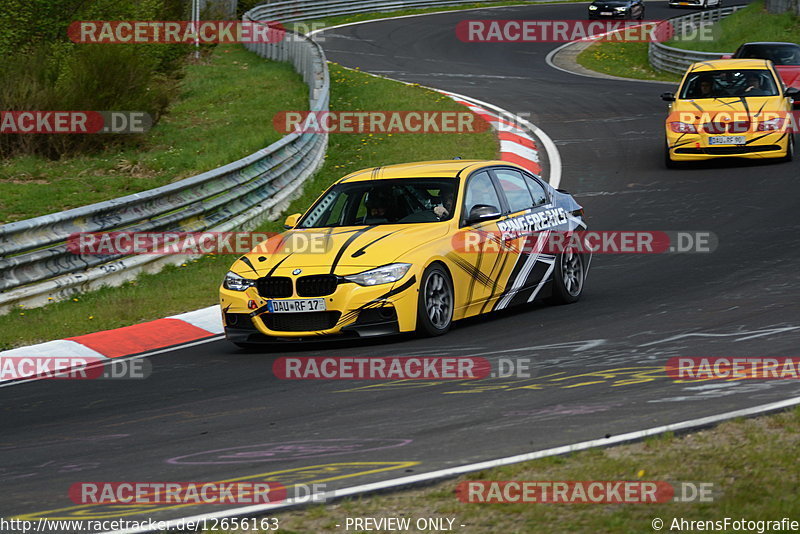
x=378, y=301
x=472, y=270
x=246, y=261
x=495, y=279
x=346, y=244
x=537, y=273
x=274, y=267
x=360, y=252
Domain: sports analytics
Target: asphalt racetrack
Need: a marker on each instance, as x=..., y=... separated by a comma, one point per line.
x=214, y=412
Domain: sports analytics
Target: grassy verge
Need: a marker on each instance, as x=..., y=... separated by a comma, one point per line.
x=751, y=464
x=752, y=23
x=628, y=60
x=219, y=118
x=184, y=288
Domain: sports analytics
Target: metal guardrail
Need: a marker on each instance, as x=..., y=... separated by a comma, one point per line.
x=677, y=60
x=37, y=267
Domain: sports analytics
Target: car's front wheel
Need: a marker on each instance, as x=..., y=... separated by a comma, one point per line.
x=436, y=301
x=568, y=277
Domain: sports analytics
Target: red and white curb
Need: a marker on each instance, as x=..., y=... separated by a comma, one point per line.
x=125, y=341
x=516, y=145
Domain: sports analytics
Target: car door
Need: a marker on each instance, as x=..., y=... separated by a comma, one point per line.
x=528, y=225
x=478, y=255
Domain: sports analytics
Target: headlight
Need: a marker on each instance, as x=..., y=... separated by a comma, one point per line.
x=620, y=9
x=771, y=125
x=592, y=8
x=682, y=127
x=381, y=275
x=234, y=282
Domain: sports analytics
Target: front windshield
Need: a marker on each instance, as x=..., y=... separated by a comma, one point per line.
x=376, y=202
x=787, y=54
x=729, y=83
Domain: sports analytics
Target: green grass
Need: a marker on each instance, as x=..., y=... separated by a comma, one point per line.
x=195, y=285
x=752, y=23
x=628, y=60
x=221, y=115
x=751, y=464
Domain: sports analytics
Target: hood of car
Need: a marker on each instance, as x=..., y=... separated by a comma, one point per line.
x=343, y=250
x=611, y=3
x=750, y=104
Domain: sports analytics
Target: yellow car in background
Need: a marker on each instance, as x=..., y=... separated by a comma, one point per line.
x=730, y=108
x=405, y=248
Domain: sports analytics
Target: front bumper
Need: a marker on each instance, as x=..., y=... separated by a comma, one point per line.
x=351, y=311
x=695, y=147
x=622, y=15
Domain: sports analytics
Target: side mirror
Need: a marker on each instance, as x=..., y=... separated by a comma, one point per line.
x=668, y=97
x=793, y=92
x=291, y=220
x=482, y=212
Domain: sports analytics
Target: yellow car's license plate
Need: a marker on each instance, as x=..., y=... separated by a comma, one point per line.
x=726, y=140
x=295, y=305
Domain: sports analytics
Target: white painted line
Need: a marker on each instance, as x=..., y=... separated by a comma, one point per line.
x=600, y=76
x=489, y=464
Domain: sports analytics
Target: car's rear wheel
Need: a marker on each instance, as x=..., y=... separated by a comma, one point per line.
x=436, y=301
x=568, y=276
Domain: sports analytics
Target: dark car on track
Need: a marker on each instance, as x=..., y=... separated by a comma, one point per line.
x=616, y=9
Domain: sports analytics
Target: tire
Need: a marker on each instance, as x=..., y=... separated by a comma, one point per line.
x=641, y=14
x=436, y=301
x=569, y=274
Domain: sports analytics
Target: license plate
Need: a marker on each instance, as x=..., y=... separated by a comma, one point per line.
x=726, y=140
x=295, y=305
x=606, y=13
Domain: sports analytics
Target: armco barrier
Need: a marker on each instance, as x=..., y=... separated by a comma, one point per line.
x=677, y=60
x=37, y=267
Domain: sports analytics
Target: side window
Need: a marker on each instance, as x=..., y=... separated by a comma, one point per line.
x=537, y=190
x=513, y=185
x=480, y=190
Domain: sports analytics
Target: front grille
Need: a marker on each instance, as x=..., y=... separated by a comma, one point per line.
x=301, y=322
x=727, y=150
x=274, y=286
x=737, y=127
x=317, y=285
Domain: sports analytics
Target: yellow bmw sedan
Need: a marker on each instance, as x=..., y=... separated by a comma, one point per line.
x=405, y=248
x=730, y=108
